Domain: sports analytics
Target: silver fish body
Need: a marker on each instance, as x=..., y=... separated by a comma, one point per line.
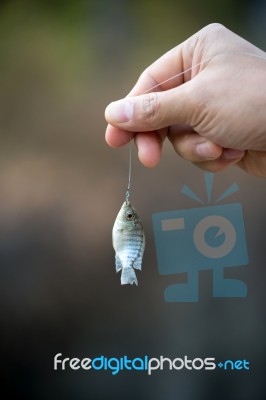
x=128, y=243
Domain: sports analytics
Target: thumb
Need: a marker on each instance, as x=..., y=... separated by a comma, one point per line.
x=152, y=111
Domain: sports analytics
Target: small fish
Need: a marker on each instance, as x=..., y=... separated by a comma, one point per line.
x=128, y=243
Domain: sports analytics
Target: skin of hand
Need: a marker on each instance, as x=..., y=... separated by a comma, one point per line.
x=214, y=114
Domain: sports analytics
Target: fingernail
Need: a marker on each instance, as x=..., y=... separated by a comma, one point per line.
x=232, y=154
x=119, y=111
x=205, y=150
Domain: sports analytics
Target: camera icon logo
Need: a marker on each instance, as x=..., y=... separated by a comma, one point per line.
x=198, y=239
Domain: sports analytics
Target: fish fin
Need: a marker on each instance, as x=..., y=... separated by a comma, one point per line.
x=118, y=263
x=128, y=276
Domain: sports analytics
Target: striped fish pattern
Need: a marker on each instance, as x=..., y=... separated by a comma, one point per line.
x=128, y=243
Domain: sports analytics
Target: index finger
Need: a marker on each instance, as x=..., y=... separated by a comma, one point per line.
x=167, y=72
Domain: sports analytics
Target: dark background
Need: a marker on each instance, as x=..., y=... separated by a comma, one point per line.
x=61, y=186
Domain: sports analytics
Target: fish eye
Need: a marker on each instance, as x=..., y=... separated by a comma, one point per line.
x=129, y=216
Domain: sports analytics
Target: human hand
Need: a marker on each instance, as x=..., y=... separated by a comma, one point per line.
x=214, y=114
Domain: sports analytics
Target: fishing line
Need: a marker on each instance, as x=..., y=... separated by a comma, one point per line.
x=129, y=172
x=177, y=75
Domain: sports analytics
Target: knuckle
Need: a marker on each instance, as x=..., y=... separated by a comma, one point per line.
x=214, y=27
x=210, y=34
x=150, y=107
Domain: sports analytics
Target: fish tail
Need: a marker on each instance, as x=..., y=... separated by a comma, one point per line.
x=128, y=276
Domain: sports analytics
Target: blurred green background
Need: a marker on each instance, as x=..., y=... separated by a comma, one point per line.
x=61, y=186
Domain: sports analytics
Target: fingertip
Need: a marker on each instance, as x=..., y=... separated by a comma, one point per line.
x=149, y=148
x=208, y=150
x=116, y=137
x=233, y=154
x=119, y=111
x=108, y=136
x=192, y=147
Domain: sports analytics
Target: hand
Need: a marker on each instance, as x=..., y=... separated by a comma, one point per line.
x=214, y=114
